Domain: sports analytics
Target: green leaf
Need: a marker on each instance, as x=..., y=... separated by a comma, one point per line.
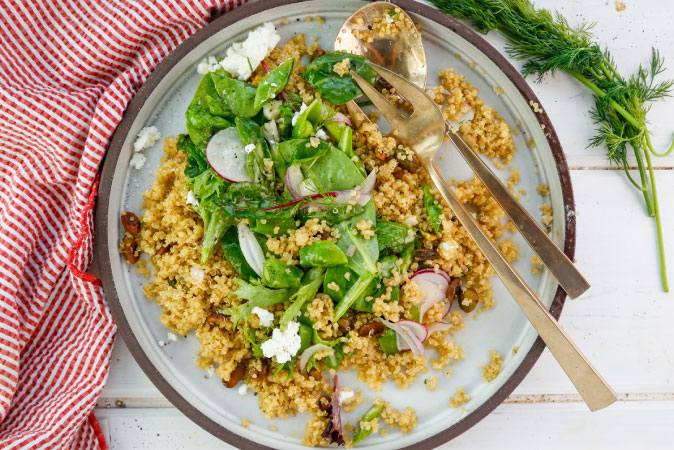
x=392, y=237
x=356, y=291
x=273, y=83
x=239, y=97
x=433, y=209
x=300, y=150
x=206, y=113
x=196, y=157
x=273, y=227
x=322, y=254
x=312, y=281
x=366, y=251
x=375, y=410
x=312, y=118
x=232, y=250
x=214, y=229
x=334, y=88
x=338, y=275
x=277, y=274
x=334, y=171
x=257, y=295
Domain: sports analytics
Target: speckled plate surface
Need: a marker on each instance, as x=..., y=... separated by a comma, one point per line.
x=162, y=102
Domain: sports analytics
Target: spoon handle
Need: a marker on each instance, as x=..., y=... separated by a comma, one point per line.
x=596, y=393
x=561, y=267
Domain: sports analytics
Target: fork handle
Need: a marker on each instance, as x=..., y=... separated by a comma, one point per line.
x=561, y=267
x=596, y=393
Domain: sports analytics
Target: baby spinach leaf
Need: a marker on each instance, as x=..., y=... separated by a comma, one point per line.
x=239, y=97
x=393, y=237
x=196, y=157
x=205, y=114
x=257, y=295
x=269, y=227
x=334, y=88
x=355, y=291
x=311, y=118
x=232, y=250
x=337, y=276
x=388, y=343
x=300, y=150
x=277, y=274
x=322, y=254
x=310, y=283
x=365, y=251
x=433, y=210
x=273, y=83
x=334, y=171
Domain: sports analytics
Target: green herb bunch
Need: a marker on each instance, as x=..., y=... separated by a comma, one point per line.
x=547, y=43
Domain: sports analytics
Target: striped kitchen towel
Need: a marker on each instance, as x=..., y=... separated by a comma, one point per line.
x=68, y=69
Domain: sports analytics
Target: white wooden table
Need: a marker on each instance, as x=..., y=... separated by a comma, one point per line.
x=624, y=324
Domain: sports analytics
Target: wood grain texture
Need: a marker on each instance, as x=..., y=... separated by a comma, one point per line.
x=623, y=324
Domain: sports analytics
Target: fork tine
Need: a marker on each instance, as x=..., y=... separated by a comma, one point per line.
x=412, y=93
x=389, y=111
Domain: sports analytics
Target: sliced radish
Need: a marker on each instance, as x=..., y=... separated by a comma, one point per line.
x=293, y=180
x=310, y=351
x=250, y=248
x=442, y=273
x=227, y=155
x=433, y=286
x=445, y=311
x=438, y=326
x=418, y=329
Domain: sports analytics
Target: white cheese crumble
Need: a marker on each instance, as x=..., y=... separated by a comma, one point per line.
x=162, y=343
x=249, y=148
x=147, y=137
x=283, y=345
x=192, y=199
x=137, y=161
x=266, y=317
x=210, y=371
x=242, y=58
x=172, y=337
x=321, y=134
x=298, y=114
x=207, y=65
x=411, y=221
x=345, y=395
x=197, y=274
x=243, y=389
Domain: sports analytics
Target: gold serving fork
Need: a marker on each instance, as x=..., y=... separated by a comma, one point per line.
x=423, y=131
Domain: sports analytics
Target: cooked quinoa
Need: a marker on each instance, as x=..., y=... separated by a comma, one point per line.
x=491, y=370
x=190, y=294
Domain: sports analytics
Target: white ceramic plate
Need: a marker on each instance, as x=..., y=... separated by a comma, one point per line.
x=162, y=102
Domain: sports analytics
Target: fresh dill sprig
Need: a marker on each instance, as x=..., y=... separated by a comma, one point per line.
x=546, y=43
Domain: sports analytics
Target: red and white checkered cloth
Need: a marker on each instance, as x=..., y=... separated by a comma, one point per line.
x=68, y=69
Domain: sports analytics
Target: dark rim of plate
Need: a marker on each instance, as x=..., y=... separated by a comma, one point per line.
x=101, y=250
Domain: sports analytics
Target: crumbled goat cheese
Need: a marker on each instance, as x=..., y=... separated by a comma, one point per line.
x=345, y=395
x=197, y=274
x=283, y=345
x=207, y=65
x=242, y=58
x=243, y=389
x=411, y=221
x=321, y=134
x=172, y=337
x=162, y=343
x=192, y=199
x=147, y=137
x=249, y=148
x=266, y=317
x=210, y=371
x=137, y=161
x=298, y=113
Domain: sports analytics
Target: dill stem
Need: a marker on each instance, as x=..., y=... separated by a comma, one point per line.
x=594, y=88
x=648, y=197
x=658, y=224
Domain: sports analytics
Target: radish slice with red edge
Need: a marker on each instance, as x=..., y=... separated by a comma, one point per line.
x=293, y=180
x=433, y=286
x=226, y=154
x=438, y=326
x=310, y=351
x=448, y=306
x=250, y=248
x=442, y=273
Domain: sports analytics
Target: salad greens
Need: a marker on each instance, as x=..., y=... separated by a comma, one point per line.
x=433, y=210
x=301, y=165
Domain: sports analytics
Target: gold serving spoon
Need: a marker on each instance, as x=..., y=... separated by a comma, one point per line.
x=423, y=132
x=403, y=53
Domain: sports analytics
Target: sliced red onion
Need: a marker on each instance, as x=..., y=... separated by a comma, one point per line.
x=339, y=117
x=250, y=248
x=405, y=338
x=433, y=286
x=293, y=180
x=438, y=326
x=418, y=329
x=307, y=188
x=351, y=250
x=301, y=199
x=310, y=351
x=361, y=194
x=270, y=132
